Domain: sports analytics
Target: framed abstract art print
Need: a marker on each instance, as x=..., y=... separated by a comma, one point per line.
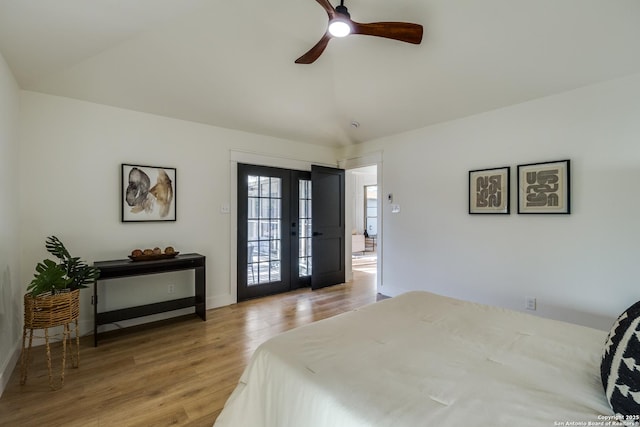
x=489, y=191
x=148, y=193
x=544, y=188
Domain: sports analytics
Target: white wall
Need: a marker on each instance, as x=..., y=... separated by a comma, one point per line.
x=581, y=267
x=10, y=285
x=71, y=152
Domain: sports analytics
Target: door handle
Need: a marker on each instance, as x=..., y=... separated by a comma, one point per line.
x=317, y=233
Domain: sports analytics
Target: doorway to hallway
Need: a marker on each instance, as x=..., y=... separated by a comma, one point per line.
x=364, y=219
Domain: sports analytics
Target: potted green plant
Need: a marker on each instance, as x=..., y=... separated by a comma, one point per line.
x=69, y=274
x=53, y=300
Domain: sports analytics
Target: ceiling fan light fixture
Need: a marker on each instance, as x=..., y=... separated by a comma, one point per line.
x=339, y=27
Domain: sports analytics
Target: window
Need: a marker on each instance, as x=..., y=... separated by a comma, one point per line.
x=264, y=229
x=304, y=229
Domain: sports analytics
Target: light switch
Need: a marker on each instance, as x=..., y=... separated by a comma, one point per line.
x=224, y=208
x=395, y=208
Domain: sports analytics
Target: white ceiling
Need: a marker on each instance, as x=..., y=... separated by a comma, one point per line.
x=231, y=64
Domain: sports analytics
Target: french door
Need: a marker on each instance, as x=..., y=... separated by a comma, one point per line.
x=285, y=240
x=274, y=230
x=328, y=226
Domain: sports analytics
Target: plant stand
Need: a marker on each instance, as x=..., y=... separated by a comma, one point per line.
x=47, y=311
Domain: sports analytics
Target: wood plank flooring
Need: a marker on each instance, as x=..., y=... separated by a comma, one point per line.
x=178, y=373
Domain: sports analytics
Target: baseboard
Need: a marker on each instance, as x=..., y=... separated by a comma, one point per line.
x=9, y=367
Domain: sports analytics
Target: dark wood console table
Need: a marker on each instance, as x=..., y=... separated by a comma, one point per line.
x=125, y=268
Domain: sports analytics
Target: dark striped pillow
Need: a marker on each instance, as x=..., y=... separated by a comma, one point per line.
x=620, y=366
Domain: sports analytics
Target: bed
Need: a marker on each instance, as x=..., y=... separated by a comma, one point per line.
x=421, y=359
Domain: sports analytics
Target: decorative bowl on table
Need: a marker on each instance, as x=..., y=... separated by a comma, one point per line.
x=152, y=254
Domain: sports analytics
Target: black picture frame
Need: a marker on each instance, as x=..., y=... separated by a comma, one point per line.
x=147, y=193
x=545, y=188
x=489, y=191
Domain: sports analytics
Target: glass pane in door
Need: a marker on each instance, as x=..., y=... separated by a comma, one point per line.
x=264, y=232
x=304, y=228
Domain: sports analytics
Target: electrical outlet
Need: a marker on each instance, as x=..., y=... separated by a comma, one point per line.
x=171, y=289
x=530, y=303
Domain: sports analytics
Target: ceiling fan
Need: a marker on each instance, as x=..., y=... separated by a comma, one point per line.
x=341, y=25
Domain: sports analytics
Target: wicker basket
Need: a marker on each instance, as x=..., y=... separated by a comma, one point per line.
x=47, y=310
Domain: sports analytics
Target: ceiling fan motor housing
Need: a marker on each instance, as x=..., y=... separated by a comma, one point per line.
x=342, y=10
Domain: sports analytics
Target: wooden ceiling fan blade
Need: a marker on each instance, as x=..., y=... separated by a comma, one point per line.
x=327, y=6
x=315, y=52
x=402, y=31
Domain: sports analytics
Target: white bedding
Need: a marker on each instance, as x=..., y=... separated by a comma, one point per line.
x=420, y=359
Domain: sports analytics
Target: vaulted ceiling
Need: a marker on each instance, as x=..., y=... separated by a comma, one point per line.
x=231, y=64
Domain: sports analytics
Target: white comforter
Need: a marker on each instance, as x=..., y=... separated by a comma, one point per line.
x=423, y=360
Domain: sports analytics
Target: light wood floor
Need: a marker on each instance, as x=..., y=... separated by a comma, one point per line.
x=177, y=373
